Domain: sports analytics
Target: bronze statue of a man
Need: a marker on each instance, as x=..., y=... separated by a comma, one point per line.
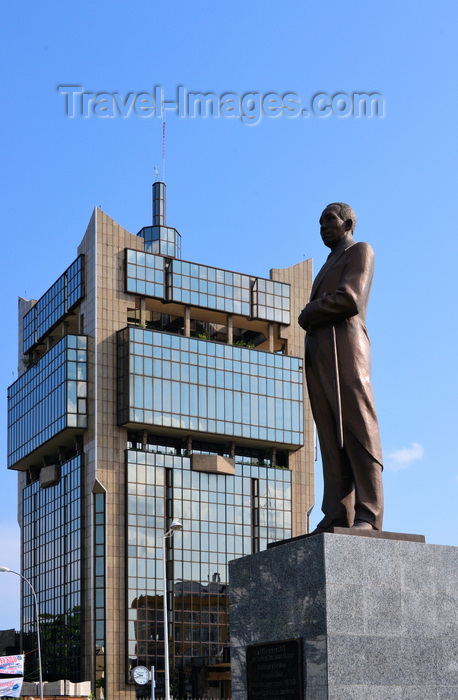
x=337, y=365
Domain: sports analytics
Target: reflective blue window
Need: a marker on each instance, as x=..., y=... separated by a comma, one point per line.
x=75, y=282
x=224, y=517
x=162, y=240
x=51, y=307
x=59, y=300
x=210, y=387
x=30, y=328
x=49, y=397
x=145, y=274
x=99, y=575
x=209, y=287
x=52, y=562
x=271, y=301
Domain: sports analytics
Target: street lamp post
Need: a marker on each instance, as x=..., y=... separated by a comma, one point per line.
x=176, y=525
x=5, y=569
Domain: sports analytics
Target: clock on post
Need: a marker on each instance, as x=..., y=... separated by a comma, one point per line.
x=141, y=675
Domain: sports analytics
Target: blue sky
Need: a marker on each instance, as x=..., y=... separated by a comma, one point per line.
x=248, y=196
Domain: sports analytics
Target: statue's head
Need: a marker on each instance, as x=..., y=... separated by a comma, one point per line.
x=337, y=221
x=346, y=212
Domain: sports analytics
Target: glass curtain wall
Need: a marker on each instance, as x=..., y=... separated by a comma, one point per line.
x=52, y=563
x=198, y=385
x=223, y=517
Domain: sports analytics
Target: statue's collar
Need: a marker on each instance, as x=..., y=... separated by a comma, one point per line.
x=341, y=247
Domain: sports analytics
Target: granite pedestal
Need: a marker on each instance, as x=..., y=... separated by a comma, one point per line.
x=377, y=618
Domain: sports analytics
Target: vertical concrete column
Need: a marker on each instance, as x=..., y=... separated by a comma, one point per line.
x=143, y=311
x=187, y=321
x=273, y=457
x=271, y=337
x=230, y=329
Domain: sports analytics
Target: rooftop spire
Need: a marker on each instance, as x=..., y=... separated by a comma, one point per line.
x=158, y=203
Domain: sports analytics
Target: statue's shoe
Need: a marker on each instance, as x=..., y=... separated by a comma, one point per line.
x=362, y=525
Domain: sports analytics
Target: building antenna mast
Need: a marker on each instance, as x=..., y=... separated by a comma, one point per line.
x=163, y=147
x=161, y=210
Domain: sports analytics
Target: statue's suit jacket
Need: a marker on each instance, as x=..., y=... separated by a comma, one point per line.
x=339, y=296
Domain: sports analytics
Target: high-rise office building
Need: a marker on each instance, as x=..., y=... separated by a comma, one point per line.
x=152, y=388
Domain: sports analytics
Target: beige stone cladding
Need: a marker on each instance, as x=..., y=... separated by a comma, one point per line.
x=104, y=310
x=302, y=461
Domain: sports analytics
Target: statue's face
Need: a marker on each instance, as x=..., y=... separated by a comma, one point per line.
x=332, y=228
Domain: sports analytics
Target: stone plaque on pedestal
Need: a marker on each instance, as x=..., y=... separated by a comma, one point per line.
x=274, y=670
